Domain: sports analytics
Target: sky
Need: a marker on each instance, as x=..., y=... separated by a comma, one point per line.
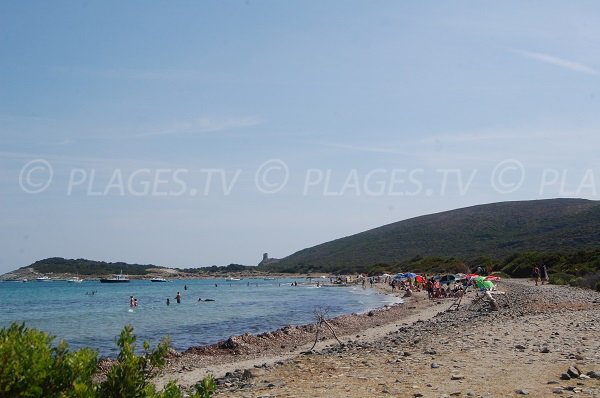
x=188, y=134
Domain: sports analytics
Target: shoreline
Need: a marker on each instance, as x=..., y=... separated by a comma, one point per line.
x=249, y=351
x=542, y=342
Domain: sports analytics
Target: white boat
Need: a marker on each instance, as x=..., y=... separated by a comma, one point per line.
x=116, y=279
x=75, y=279
x=233, y=279
x=158, y=280
x=42, y=279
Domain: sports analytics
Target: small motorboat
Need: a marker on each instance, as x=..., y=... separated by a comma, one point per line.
x=158, y=280
x=116, y=279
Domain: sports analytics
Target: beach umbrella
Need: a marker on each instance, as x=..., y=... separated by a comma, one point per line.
x=406, y=275
x=483, y=284
x=419, y=279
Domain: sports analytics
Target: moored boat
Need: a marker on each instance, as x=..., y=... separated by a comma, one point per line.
x=120, y=278
x=42, y=279
x=158, y=280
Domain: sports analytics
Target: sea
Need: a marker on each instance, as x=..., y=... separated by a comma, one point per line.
x=92, y=314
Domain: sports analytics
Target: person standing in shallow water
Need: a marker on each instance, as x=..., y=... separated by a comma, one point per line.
x=178, y=298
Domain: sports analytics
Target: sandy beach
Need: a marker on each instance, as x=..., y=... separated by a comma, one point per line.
x=419, y=349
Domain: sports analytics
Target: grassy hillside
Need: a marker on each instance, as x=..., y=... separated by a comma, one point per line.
x=495, y=230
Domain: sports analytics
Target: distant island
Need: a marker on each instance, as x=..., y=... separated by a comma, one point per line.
x=506, y=237
x=59, y=267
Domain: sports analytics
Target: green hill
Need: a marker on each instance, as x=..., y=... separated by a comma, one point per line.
x=82, y=266
x=496, y=230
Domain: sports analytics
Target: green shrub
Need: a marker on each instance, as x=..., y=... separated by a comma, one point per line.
x=130, y=375
x=206, y=387
x=560, y=278
x=30, y=366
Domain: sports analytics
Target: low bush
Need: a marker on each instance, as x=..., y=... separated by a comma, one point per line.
x=31, y=366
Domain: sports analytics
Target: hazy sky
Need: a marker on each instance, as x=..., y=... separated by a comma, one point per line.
x=208, y=132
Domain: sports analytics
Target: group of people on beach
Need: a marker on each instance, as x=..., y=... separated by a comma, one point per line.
x=540, y=274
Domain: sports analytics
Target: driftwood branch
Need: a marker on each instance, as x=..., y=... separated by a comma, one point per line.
x=321, y=319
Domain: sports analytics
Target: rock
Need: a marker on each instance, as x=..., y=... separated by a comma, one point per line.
x=520, y=347
x=522, y=391
x=557, y=390
x=545, y=350
x=593, y=374
x=417, y=394
x=278, y=383
x=565, y=376
x=434, y=365
x=573, y=372
x=457, y=377
x=253, y=373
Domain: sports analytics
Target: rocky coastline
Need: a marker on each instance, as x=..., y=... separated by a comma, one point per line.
x=544, y=341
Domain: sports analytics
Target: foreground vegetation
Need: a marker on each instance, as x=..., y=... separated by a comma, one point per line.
x=31, y=366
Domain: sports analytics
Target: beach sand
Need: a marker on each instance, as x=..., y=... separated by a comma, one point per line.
x=248, y=351
x=418, y=349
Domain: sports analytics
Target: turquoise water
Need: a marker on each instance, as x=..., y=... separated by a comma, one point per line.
x=84, y=320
